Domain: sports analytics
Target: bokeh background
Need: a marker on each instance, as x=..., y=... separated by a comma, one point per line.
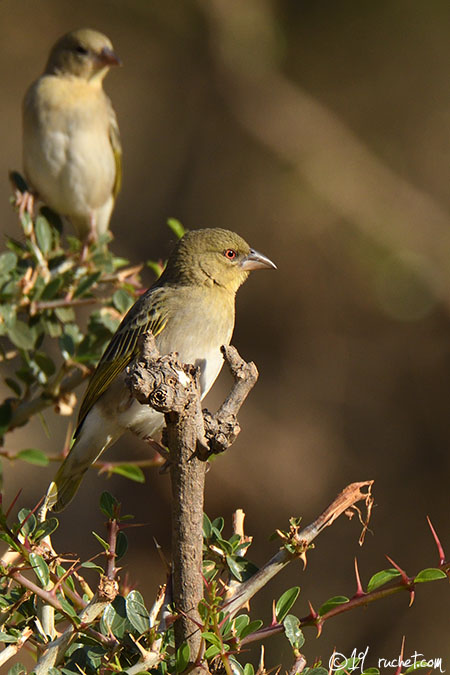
x=318, y=130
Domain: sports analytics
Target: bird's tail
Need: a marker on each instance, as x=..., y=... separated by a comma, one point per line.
x=65, y=484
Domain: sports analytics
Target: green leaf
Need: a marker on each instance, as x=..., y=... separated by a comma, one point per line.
x=293, y=632
x=251, y=628
x=155, y=267
x=17, y=669
x=8, y=262
x=137, y=613
x=45, y=529
x=108, y=505
x=333, y=602
x=6, y=637
x=381, y=578
x=176, y=227
x=212, y=651
x=40, y=568
x=101, y=541
x=182, y=657
x=10, y=541
x=241, y=568
x=5, y=417
x=52, y=218
x=52, y=288
x=15, y=386
x=429, y=574
x=240, y=623
x=21, y=335
x=33, y=456
x=86, y=283
x=130, y=471
x=66, y=606
x=44, y=235
x=90, y=565
x=122, y=301
x=248, y=669
x=371, y=671
x=114, y=618
x=285, y=602
x=29, y=521
x=45, y=363
x=212, y=638
x=121, y=545
x=65, y=314
x=207, y=528
x=218, y=524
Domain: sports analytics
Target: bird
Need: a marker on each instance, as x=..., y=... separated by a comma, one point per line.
x=190, y=309
x=72, y=155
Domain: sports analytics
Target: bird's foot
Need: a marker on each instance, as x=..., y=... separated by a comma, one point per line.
x=24, y=201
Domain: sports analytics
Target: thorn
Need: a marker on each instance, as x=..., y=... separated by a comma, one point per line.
x=406, y=580
x=303, y=558
x=162, y=557
x=312, y=612
x=261, y=667
x=319, y=626
x=359, y=588
x=12, y=503
x=438, y=543
x=400, y=658
x=274, y=614
x=412, y=595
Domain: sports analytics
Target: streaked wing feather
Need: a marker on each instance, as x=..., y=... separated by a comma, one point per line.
x=142, y=318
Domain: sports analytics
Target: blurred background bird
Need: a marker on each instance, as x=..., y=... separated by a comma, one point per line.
x=190, y=310
x=71, y=143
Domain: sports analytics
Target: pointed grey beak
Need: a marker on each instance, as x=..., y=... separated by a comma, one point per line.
x=257, y=261
x=109, y=58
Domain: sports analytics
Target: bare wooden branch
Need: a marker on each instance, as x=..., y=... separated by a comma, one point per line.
x=191, y=435
x=105, y=594
x=10, y=651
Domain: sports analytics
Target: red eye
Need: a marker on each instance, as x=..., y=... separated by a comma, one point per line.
x=230, y=254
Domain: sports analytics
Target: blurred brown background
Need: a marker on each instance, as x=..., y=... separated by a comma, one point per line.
x=319, y=131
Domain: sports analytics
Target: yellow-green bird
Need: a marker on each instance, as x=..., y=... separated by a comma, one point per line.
x=189, y=310
x=71, y=143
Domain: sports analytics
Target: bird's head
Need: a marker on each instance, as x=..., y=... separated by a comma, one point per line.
x=214, y=257
x=82, y=53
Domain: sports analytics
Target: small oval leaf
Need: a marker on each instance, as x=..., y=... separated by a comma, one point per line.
x=285, y=602
x=40, y=568
x=429, y=574
x=33, y=456
x=381, y=578
x=333, y=602
x=129, y=471
x=182, y=657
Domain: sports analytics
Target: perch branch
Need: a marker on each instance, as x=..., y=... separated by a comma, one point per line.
x=191, y=435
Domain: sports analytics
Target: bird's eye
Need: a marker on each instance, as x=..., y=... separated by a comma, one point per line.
x=230, y=254
x=81, y=50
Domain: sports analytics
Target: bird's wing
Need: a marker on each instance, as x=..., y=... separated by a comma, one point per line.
x=148, y=314
x=114, y=137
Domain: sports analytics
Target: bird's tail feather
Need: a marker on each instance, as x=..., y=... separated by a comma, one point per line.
x=64, y=486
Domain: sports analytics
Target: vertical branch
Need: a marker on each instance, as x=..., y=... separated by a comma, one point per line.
x=188, y=485
x=191, y=435
x=173, y=389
